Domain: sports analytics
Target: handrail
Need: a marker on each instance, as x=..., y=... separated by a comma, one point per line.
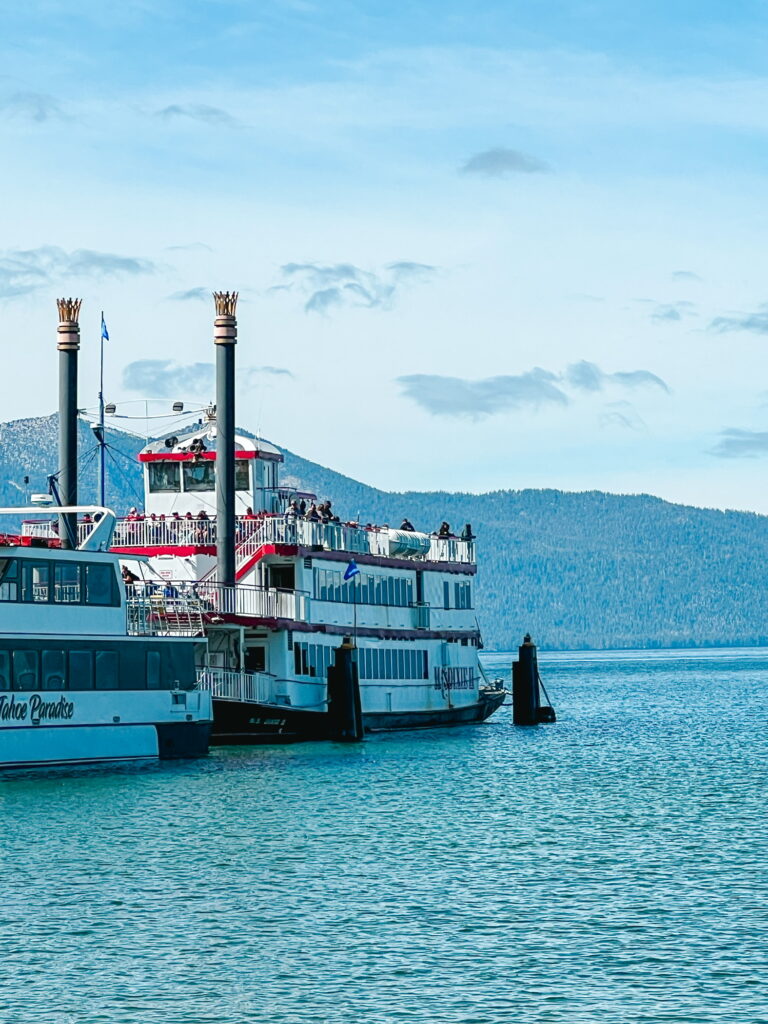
x=251, y=534
x=219, y=599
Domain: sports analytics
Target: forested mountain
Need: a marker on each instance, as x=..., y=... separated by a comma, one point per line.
x=586, y=570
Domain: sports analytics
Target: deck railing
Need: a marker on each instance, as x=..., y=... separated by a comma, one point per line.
x=153, y=613
x=251, y=534
x=251, y=687
x=213, y=598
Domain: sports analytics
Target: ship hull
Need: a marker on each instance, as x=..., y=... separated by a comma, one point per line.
x=236, y=722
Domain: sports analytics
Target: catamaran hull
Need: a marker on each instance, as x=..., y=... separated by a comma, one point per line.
x=236, y=722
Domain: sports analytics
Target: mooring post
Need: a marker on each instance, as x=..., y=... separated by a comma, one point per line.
x=527, y=708
x=345, y=717
x=68, y=344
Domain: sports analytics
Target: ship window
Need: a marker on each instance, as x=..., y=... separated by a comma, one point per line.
x=242, y=476
x=446, y=595
x=106, y=670
x=53, y=670
x=66, y=588
x=154, y=681
x=199, y=476
x=9, y=579
x=36, y=581
x=25, y=670
x=5, y=670
x=99, y=588
x=80, y=670
x=164, y=476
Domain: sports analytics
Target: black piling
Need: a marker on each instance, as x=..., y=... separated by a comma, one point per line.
x=225, y=339
x=68, y=344
x=345, y=716
x=527, y=708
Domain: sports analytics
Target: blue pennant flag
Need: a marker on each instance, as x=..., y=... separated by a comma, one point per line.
x=104, y=331
x=352, y=570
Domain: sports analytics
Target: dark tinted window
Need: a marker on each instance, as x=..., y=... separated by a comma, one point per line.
x=67, y=589
x=9, y=579
x=36, y=580
x=25, y=666
x=99, y=588
x=53, y=670
x=242, y=476
x=106, y=670
x=80, y=670
x=199, y=476
x=5, y=670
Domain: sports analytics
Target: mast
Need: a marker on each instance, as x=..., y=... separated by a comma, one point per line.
x=101, y=436
x=225, y=339
x=68, y=344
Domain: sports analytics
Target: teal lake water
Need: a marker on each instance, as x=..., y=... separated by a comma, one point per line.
x=609, y=868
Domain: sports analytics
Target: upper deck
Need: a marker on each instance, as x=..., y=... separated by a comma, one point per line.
x=162, y=535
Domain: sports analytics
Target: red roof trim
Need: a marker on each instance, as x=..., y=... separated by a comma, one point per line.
x=189, y=457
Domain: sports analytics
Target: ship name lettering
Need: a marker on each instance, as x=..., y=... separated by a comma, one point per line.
x=36, y=708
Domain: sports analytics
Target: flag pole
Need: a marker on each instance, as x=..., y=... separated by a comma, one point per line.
x=102, y=439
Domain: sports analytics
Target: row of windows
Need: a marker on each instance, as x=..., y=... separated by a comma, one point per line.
x=41, y=582
x=462, y=595
x=132, y=668
x=396, y=591
x=373, y=662
x=198, y=476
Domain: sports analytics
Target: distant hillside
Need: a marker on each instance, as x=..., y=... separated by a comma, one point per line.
x=588, y=570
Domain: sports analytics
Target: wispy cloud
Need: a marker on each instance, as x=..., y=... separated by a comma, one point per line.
x=26, y=270
x=201, y=112
x=586, y=376
x=32, y=106
x=621, y=414
x=499, y=162
x=189, y=247
x=685, y=275
x=164, y=378
x=741, y=444
x=475, y=399
x=756, y=322
x=324, y=286
x=199, y=294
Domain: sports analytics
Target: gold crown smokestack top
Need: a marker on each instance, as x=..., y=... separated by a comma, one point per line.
x=68, y=344
x=225, y=339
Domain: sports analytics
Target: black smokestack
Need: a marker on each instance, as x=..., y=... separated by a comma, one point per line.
x=225, y=339
x=68, y=333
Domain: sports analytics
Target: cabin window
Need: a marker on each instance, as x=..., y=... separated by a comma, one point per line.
x=242, y=476
x=25, y=666
x=5, y=670
x=53, y=670
x=154, y=678
x=106, y=670
x=36, y=582
x=80, y=670
x=9, y=579
x=99, y=585
x=164, y=476
x=66, y=588
x=199, y=476
x=446, y=595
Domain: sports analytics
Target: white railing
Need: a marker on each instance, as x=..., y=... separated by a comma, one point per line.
x=153, y=612
x=217, y=599
x=250, y=687
x=251, y=534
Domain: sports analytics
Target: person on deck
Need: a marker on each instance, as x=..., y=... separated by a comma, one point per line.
x=407, y=525
x=445, y=530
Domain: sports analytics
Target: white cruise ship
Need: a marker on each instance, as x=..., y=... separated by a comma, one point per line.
x=271, y=637
x=88, y=672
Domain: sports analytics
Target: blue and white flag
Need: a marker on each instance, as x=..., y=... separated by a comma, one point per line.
x=352, y=570
x=104, y=331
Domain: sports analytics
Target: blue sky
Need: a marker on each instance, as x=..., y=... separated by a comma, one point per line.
x=478, y=246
